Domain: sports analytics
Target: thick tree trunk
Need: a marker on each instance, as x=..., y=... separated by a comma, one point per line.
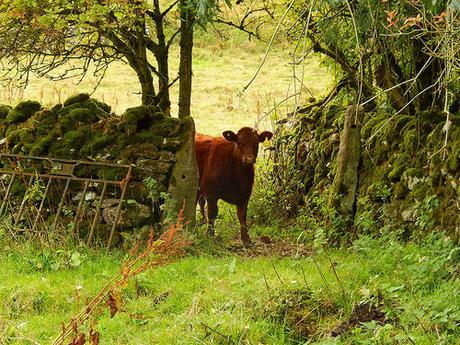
x=144, y=73
x=185, y=67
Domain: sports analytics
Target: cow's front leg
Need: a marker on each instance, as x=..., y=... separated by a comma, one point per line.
x=201, y=201
x=212, y=214
x=242, y=212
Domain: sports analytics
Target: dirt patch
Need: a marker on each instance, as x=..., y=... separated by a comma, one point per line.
x=266, y=246
x=364, y=312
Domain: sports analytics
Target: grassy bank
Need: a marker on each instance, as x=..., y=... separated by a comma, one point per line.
x=377, y=291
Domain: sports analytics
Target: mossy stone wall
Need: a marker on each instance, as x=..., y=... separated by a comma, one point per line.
x=83, y=128
x=408, y=177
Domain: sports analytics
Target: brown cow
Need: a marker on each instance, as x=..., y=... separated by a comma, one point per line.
x=226, y=167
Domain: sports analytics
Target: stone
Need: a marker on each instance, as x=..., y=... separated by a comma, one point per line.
x=4, y=110
x=132, y=213
x=78, y=98
x=167, y=156
x=153, y=166
x=170, y=144
x=22, y=112
x=346, y=178
x=183, y=183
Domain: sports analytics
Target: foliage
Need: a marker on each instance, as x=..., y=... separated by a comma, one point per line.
x=267, y=300
x=406, y=48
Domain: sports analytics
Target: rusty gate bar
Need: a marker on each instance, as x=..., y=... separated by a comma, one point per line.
x=8, y=190
x=51, y=169
x=115, y=223
x=61, y=203
x=76, y=220
x=62, y=160
x=23, y=202
x=96, y=216
x=42, y=202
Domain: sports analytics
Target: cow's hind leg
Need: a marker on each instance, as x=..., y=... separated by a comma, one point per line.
x=242, y=212
x=213, y=210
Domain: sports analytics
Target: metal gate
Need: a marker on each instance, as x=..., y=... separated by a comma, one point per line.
x=41, y=195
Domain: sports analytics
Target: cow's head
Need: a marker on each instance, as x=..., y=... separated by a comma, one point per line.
x=247, y=143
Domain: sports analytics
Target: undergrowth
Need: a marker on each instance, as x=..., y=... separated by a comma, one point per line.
x=372, y=292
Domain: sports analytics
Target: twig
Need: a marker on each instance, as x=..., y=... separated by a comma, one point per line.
x=269, y=46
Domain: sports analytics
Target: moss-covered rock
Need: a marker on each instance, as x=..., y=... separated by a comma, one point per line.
x=139, y=118
x=96, y=109
x=97, y=142
x=22, y=112
x=78, y=98
x=167, y=127
x=67, y=109
x=4, y=110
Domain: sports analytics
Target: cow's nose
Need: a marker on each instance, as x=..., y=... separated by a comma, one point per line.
x=249, y=160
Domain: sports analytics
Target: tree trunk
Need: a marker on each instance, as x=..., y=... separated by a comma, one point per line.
x=185, y=67
x=161, y=56
x=144, y=73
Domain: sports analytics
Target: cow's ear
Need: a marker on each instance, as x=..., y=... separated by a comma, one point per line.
x=230, y=136
x=265, y=135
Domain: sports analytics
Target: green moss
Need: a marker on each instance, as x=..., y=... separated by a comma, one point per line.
x=395, y=173
x=4, y=110
x=400, y=190
x=56, y=108
x=400, y=121
x=367, y=129
x=105, y=107
x=42, y=122
x=413, y=172
x=19, y=137
x=76, y=118
x=379, y=191
x=453, y=160
x=74, y=139
x=148, y=137
x=409, y=142
x=93, y=106
x=78, y=98
x=145, y=150
x=168, y=127
x=22, y=112
x=42, y=145
x=399, y=165
x=139, y=118
x=421, y=191
x=97, y=143
x=66, y=110
x=83, y=115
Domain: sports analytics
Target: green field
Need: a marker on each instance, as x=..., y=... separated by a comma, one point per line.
x=223, y=298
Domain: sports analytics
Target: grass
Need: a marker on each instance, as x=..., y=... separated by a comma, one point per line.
x=208, y=299
x=221, y=70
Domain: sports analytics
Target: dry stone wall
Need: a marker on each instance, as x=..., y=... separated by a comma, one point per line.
x=83, y=128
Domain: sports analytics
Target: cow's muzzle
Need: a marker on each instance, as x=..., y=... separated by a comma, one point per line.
x=248, y=160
